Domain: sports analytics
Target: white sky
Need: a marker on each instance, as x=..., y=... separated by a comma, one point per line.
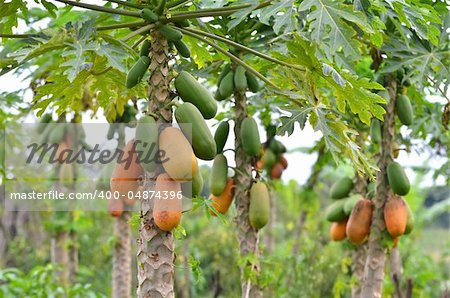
x=299, y=164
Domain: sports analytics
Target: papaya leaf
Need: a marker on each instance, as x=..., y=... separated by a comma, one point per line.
x=283, y=14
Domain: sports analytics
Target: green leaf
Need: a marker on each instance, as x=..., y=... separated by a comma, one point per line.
x=283, y=14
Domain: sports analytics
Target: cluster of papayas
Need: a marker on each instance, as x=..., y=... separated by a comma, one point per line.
x=272, y=159
x=398, y=217
x=168, y=30
x=237, y=79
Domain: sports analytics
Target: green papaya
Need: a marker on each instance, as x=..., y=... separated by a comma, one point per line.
x=240, y=80
x=259, y=208
x=410, y=220
x=252, y=82
x=341, y=188
x=182, y=48
x=218, y=96
x=104, y=176
x=268, y=159
x=404, y=110
x=221, y=135
x=201, y=138
x=170, y=33
x=375, y=131
x=49, y=128
x=277, y=147
x=159, y=9
x=111, y=131
x=146, y=142
x=335, y=212
x=397, y=178
x=250, y=136
x=197, y=184
x=226, y=69
x=58, y=133
x=190, y=90
x=183, y=23
x=219, y=172
x=148, y=15
x=226, y=86
x=350, y=203
x=46, y=118
x=137, y=72
x=145, y=48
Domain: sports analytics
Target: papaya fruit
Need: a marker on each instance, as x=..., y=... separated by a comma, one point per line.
x=201, y=138
x=221, y=135
x=197, y=184
x=358, y=225
x=397, y=178
x=137, y=72
x=145, y=48
x=223, y=202
x=148, y=15
x=66, y=175
x=335, y=212
x=44, y=138
x=218, y=96
x=338, y=230
x=395, y=216
x=115, y=207
x=404, y=110
x=104, y=176
x=57, y=135
x=159, y=7
x=252, y=82
x=127, y=172
x=250, y=136
x=62, y=152
x=268, y=159
x=240, y=80
x=226, y=69
x=190, y=90
x=341, y=188
x=179, y=159
x=276, y=171
x=146, y=141
x=277, y=147
x=170, y=33
x=45, y=119
x=283, y=162
x=226, y=86
x=167, y=211
x=259, y=165
x=183, y=23
x=410, y=220
x=375, y=131
x=182, y=48
x=219, y=172
x=259, y=208
x=350, y=203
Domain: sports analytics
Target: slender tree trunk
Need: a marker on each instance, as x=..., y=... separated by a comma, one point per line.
x=396, y=271
x=374, y=268
x=60, y=256
x=359, y=255
x=248, y=236
x=156, y=249
x=121, y=274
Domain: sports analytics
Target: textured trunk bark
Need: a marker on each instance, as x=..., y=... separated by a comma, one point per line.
x=156, y=249
x=374, y=268
x=60, y=256
x=270, y=232
x=396, y=271
x=248, y=236
x=359, y=255
x=121, y=274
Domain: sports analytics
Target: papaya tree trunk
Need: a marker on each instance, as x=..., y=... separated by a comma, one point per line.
x=396, y=271
x=359, y=255
x=60, y=256
x=374, y=268
x=121, y=274
x=248, y=236
x=156, y=249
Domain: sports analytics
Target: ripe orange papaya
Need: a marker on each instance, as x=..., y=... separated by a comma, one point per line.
x=222, y=203
x=338, y=230
x=167, y=210
x=179, y=160
x=115, y=207
x=276, y=171
x=62, y=152
x=127, y=172
x=395, y=216
x=284, y=161
x=358, y=226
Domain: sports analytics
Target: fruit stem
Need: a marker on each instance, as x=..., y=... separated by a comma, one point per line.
x=119, y=26
x=17, y=35
x=101, y=8
x=231, y=56
x=243, y=48
x=176, y=3
x=229, y=149
x=138, y=31
x=128, y=4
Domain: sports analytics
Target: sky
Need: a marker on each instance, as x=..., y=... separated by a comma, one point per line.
x=299, y=163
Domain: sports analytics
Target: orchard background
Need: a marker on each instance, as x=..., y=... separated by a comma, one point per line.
x=320, y=131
